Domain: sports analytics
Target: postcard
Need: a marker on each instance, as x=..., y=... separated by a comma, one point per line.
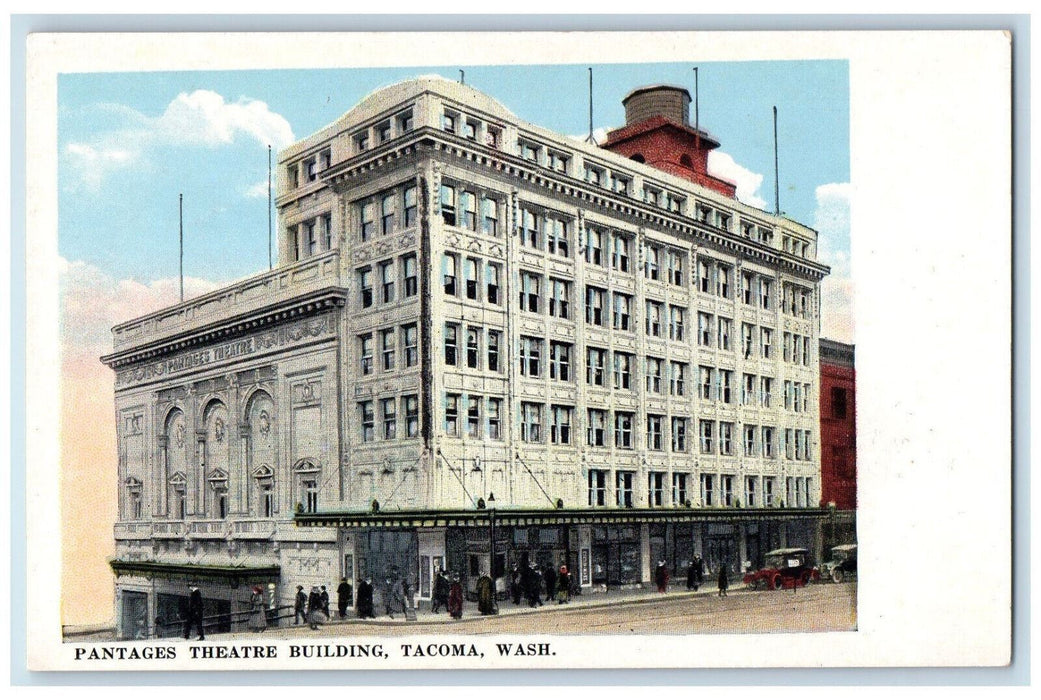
x=518, y=350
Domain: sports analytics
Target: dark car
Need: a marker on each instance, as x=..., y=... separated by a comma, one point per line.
x=792, y=565
x=843, y=563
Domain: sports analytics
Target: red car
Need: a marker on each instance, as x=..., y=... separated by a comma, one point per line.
x=784, y=567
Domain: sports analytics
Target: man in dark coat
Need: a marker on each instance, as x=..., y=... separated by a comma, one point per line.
x=550, y=576
x=516, y=585
x=699, y=571
x=441, y=587
x=724, y=580
x=532, y=582
x=661, y=577
x=315, y=609
x=690, y=575
x=194, y=614
x=343, y=596
x=325, y=601
x=365, y=599
x=300, y=606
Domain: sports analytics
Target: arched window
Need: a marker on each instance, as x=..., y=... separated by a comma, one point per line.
x=637, y=157
x=261, y=455
x=308, y=481
x=216, y=458
x=686, y=162
x=174, y=453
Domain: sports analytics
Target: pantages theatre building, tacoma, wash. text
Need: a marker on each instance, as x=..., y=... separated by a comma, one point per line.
x=484, y=344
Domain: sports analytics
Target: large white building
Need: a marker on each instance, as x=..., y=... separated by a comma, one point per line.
x=481, y=338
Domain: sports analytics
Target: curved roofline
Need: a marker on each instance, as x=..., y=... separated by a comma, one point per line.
x=659, y=86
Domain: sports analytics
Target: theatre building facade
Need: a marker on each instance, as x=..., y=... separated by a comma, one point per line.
x=484, y=344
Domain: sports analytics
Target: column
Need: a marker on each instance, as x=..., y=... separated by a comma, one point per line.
x=646, y=574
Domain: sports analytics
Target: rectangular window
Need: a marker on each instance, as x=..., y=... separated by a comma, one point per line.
x=654, y=375
x=751, y=492
x=387, y=280
x=448, y=273
x=530, y=356
x=747, y=340
x=531, y=422
x=677, y=322
x=620, y=252
x=493, y=350
x=530, y=290
x=473, y=347
x=388, y=407
x=677, y=378
x=470, y=130
x=452, y=415
x=748, y=390
x=723, y=281
x=654, y=431
x=388, y=348
x=704, y=329
x=558, y=161
x=411, y=416
x=726, y=490
x=560, y=361
x=387, y=213
x=652, y=262
x=311, y=236
x=725, y=379
x=411, y=275
x=365, y=353
x=594, y=175
x=705, y=383
x=623, y=430
x=747, y=287
x=675, y=262
x=705, y=428
x=597, y=487
x=594, y=246
x=595, y=361
x=652, y=322
x=492, y=136
x=750, y=446
x=595, y=306
x=623, y=366
x=530, y=235
x=726, y=330
x=473, y=417
x=560, y=428
x=765, y=341
x=596, y=434
x=623, y=485
x=368, y=220
x=651, y=195
x=383, y=132
x=726, y=438
x=679, y=489
x=410, y=341
x=489, y=216
x=560, y=298
x=656, y=489
x=768, y=441
x=557, y=242
x=621, y=312
x=365, y=285
x=528, y=151
x=451, y=343
x=448, y=122
x=766, y=385
x=707, y=490
x=619, y=183
x=679, y=434
x=468, y=209
x=495, y=419
x=704, y=276
x=768, y=492
x=311, y=166
x=448, y=205
x=471, y=277
x=764, y=293
x=491, y=278
x=838, y=403
x=368, y=421
x=405, y=121
x=411, y=207
x=327, y=230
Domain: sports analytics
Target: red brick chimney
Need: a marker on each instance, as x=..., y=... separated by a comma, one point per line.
x=657, y=132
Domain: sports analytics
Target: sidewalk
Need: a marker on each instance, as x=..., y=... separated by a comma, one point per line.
x=586, y=601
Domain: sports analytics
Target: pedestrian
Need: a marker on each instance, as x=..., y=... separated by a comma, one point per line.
x=532, y=582
x=315, y=610
x=516, y=589
x=300, y=606
x=724, y=581
x=699, y=571
x=441, y=588
x=485, y=595
x=690, y=575
x=550, y=576
x=325, y=602
x=257, y=618
x=563, y=586
x=401, y=594
x=365, y=607
x=344, y=593
x=661, y=576
x=455, y=598
x=194, y=613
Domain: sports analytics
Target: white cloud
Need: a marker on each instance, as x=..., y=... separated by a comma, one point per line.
x=258, y=190
x=723, y=165
x=832, y=221
x=200, y=119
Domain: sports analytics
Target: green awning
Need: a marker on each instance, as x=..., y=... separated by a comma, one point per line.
x=231, y=575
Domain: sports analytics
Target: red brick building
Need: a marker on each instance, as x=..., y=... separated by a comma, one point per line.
x=838, y=436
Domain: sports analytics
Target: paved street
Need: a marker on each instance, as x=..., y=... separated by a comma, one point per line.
x=816, y=608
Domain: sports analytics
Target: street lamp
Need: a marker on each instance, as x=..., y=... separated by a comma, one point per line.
x=491, y=551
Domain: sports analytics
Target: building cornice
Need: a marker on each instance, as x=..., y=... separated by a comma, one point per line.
x=428, y=139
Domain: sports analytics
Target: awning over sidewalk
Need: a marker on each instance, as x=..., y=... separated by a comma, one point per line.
x=231, y=575
x=559, y=516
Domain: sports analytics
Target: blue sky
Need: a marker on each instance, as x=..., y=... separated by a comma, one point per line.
x=129, y=143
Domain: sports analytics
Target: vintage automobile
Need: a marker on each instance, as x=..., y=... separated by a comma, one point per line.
x=843, y=563
x=792, y=566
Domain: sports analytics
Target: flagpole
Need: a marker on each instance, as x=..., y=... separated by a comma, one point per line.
x=777, y=186
x=270, y=262
x=180, y=228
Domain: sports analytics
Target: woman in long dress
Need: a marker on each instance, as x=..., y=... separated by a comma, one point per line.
x=455, y=598
x=257, y=618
